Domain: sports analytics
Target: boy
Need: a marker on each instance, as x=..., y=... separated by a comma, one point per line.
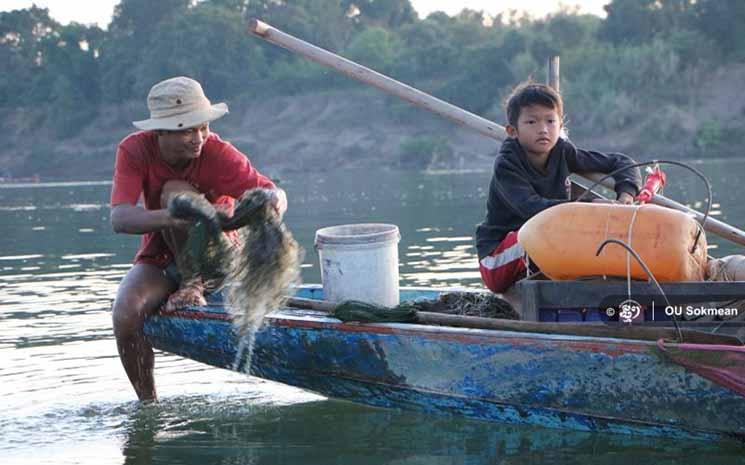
x=530, y=175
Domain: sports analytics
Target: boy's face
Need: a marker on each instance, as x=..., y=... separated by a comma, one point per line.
x=537, y=130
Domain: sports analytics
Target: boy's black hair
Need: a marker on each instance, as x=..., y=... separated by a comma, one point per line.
x=532, y=93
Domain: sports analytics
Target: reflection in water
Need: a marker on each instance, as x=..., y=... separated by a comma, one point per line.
x=67, y=400
x=449, y=262
x=335, y=432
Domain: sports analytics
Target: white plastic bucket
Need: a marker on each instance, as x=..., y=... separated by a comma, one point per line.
x=359, y=262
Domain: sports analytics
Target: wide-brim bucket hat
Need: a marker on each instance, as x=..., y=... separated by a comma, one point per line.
x=179, y=103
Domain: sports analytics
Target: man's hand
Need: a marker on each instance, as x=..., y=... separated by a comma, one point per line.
x=279, y=202
x=189, y=294
x=179, y=223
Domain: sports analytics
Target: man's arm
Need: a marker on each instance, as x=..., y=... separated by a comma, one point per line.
x=131, y=219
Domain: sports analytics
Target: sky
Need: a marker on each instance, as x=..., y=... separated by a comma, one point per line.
x=99, y=11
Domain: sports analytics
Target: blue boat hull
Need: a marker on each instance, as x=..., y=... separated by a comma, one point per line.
x=560, y=381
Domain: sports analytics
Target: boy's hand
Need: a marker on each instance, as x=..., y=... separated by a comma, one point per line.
x=625, y=198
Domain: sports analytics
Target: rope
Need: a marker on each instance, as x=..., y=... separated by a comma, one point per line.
x=607, y=229
x=628, y=255
x=649, y=273
x=669, y=162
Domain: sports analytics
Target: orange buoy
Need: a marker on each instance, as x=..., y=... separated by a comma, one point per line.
x=563, y=239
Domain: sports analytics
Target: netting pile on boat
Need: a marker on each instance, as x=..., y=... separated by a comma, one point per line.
x=728, y=269
x=484, y=304
x=256, y=269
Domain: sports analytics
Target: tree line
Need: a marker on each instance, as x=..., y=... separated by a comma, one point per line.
x=469, y=59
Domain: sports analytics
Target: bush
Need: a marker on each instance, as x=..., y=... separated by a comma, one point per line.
x=709, y=135
x=421, y=151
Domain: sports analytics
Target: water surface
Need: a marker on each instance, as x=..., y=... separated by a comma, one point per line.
x=65, y=398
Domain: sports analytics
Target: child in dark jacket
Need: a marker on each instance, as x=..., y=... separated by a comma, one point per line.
x=531, y=174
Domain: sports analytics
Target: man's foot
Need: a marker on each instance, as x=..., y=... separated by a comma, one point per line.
x=188, y=295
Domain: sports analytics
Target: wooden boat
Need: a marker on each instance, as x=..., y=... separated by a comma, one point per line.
x=585, y=383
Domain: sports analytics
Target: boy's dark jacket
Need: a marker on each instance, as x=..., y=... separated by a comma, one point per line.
x=518, y=191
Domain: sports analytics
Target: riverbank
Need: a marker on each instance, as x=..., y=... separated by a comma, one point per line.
x=314, y=132
x=321, y=131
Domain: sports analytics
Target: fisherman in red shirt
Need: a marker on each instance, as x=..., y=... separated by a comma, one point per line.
x=174, y=152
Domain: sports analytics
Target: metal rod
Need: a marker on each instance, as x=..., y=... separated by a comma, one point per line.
x=435, y=105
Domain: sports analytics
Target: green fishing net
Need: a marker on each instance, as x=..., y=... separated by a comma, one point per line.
x=452, y=303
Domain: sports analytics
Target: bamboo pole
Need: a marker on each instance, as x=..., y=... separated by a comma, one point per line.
x=442, y=108
x=553, y=74
x=713, y=225
x=373, y=78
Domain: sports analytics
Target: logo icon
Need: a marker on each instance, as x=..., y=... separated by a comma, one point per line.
x=629, y=310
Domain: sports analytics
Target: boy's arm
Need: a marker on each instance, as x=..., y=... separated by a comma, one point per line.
x=518, y=195
x=628, y=181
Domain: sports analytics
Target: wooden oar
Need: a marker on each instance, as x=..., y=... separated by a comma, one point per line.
x=571, y=329
x=440, y=107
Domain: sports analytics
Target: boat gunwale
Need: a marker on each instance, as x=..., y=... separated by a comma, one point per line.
x=295, y=317
x=317, y=320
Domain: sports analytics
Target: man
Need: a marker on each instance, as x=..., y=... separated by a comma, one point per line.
x=173, y=152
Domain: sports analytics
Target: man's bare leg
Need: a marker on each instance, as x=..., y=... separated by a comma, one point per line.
x=140, y=293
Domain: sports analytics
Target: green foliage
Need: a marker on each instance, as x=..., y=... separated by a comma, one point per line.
x=716, y=21
x=709, y=135
x=722, y=21
x=418, y=152
x=605, y=81
x=376, y=47
x=656, y=48
x=428, y=50
x=388, y=14
x=22, y=37
x=293, y=76
x=637, y=21
x=207, y=43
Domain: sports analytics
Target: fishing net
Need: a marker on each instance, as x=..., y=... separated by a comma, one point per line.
x=728, y=269
x=256, y=270
x=452, y=303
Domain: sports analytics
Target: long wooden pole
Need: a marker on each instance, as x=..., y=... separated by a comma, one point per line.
x=435, y=105
x=373, y=78
x=712, y=225
x=553, y=74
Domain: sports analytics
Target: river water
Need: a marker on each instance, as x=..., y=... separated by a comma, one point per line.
x=66, y=399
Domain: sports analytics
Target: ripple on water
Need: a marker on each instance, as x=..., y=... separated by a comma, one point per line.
x=66, y=399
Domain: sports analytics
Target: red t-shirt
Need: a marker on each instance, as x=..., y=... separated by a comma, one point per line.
x=140, y=172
